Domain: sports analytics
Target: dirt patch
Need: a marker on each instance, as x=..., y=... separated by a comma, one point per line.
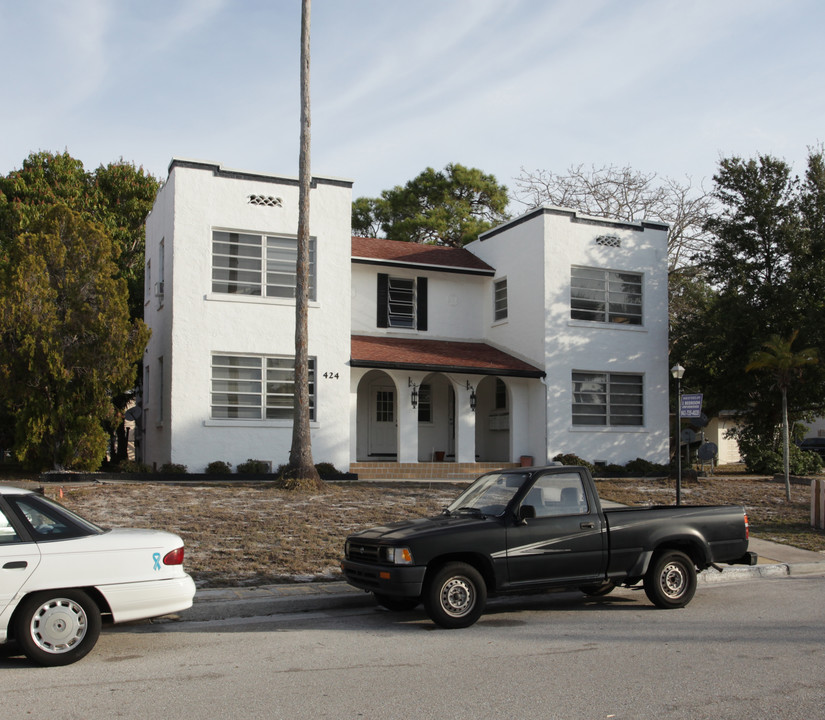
x=254, y=534
x=239, y=534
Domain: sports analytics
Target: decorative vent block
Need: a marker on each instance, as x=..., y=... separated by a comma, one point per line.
x=609, y=241
x=265, y=200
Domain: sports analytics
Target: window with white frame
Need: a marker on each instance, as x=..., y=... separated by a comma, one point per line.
x=255, y=387
x=500, y=300
x=259, y=265
x=608, y=399
x=608, y=296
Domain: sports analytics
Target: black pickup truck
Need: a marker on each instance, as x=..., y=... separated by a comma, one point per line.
x=541, y=528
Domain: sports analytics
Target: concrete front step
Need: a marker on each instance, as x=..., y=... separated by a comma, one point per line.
x=424, y=470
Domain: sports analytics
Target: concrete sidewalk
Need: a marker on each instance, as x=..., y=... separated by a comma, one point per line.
x=775, y=560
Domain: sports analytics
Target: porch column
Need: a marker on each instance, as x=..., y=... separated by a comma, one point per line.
x=465, y=418
x=405, y=383
x=520, y=440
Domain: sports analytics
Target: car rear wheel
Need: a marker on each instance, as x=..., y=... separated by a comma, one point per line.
x=57, y=627
x=455, y=596
x=670, y=581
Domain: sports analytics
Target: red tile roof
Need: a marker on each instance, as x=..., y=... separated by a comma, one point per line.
x=437, y=355
x=395, y=251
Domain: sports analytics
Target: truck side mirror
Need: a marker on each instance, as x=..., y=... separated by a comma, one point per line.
x=525, y=513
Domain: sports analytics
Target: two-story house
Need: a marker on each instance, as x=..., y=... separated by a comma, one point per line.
x=548, y=334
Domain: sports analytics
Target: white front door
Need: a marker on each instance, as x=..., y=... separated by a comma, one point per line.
x=383, y=426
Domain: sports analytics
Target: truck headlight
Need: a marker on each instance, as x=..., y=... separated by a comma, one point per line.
x=397, y=556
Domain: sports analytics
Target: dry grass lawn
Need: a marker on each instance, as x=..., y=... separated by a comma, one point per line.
x=250, y=534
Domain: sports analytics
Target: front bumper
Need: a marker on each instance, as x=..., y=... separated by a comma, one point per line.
x=403, y=581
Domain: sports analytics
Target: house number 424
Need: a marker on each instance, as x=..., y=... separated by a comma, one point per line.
x=331, y=376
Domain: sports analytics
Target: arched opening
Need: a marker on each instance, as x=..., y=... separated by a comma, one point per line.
x=493, y=402
x=377, y=418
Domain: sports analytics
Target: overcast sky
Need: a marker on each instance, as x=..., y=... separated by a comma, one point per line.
x=400, y=85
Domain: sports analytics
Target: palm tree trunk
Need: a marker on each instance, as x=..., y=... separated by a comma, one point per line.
x=300, y=454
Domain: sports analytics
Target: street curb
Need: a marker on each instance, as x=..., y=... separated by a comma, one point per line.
x=757, y=572
x=262, y=601
x=226, y=603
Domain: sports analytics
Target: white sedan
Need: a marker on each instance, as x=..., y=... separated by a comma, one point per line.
x=62, y=576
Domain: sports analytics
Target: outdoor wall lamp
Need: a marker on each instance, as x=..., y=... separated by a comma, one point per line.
x=677, y=371
x=414, y=393
x=472, y=396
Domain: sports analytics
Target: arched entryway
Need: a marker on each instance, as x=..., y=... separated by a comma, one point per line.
x=492, y=420
x=377, y=417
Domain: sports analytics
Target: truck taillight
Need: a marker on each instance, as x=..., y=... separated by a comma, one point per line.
x=175, y=557
x=747, y=528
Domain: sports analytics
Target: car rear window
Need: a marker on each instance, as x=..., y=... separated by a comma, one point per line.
x=49, y=520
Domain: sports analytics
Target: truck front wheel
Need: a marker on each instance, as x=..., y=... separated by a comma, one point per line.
x=670, y=581
x=455, y=596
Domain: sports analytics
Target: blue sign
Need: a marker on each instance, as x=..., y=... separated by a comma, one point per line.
x=692, y=406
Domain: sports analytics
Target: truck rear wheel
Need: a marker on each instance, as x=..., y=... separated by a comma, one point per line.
x=455, y=596
x=670, y=581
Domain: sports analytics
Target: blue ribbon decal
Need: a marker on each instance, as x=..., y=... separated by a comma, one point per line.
x=156, y=558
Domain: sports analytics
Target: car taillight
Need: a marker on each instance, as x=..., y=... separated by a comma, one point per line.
x=747, y=528
x=175, y=557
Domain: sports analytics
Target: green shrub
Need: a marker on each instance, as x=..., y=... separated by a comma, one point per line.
x=768, y=461
x=131, y=466
x=173, y=468
x=326, y=469
x=256, y=467
x=219, y=467
x=572, y=459
x=610, y=471
x=644, y=468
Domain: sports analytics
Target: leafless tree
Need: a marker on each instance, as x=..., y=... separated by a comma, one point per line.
x=626, y=194
x=301, y=466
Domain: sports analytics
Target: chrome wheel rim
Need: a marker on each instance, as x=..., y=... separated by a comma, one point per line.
x=674, y=580
x=58, y=625
x=458, y=596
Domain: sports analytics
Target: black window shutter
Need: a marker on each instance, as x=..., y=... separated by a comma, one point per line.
x=421, y=310
x=383, y=291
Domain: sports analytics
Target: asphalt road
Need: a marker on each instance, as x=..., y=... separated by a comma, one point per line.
x=740, y=650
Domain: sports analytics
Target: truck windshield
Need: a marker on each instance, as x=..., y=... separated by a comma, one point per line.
x=490, y=494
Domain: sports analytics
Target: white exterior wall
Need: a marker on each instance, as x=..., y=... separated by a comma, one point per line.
x=536, y=253
x=517, y=254
x=453, y=302
x=203, y=323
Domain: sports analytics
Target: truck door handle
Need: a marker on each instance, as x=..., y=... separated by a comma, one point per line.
x=587, y=525
x=15, y=565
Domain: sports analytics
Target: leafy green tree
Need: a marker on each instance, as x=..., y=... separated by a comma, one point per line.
x=748, y=266
x=117, y=196
x=765, y=273
x=67, y=344
x=785, y=366
x=450, y=207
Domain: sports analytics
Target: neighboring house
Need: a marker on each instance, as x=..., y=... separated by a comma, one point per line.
x=548, y=334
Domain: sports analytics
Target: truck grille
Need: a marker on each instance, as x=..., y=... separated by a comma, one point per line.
x=362, y=552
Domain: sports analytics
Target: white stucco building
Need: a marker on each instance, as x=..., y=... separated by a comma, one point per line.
x=548, y=334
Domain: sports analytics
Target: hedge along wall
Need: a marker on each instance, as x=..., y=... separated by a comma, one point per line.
x=818, y=504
